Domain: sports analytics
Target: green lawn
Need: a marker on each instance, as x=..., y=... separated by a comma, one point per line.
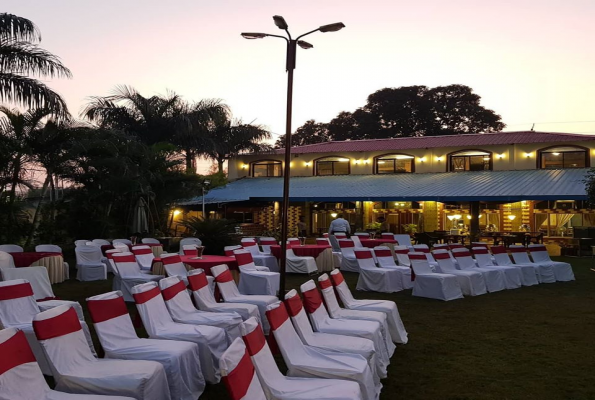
x=530, y=343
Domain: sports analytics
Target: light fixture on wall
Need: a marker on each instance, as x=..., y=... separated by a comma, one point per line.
x=244, y=166
x=468, y=216
x=307, y=164
x=438, y=158
x=366, y=161
x=422, y=159
x=334, y=215
x=528, y=155
x=500, y=156
x=511, y=217
x=356, y=161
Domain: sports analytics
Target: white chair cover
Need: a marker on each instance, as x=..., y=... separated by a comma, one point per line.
x=173, y=266
x=11, y=248
x=101, y=242
x=322, y=322
x=348, y=260
x=495, y=279
x=238, y=373
x=204, y=299
x=433, y=285
x=21, y=378
x=401, y=252
x=37, y=276
x=150, y=241
x=130, y=273
x=266, y=243
x=335, y=311
x=501, y=257
x=6, y=260
x=18, y=308
x=144, y=256
x=373, y=278
x=211, y=340
x=111, y=267
x=404, y=240
x=471, y=282
x=76, y=370
x=181, y=360
x=544, y=270
x=81, y=242
x=89, y=264
x=512, y=275
x=300, y=265
x=180, y=307
x=124, y=241
x=305, y=361
x=255, y=279
x=423, y=248
x=356, y=241
x=562, y=270
x=121, y=245
x=260, y=258
x=328, y=341
x=397, y=330
x=230, y=293
x=189, y=240
x=385, y=259
x=362, y=234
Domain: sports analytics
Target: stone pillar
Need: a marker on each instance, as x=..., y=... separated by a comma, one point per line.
x=474, y=223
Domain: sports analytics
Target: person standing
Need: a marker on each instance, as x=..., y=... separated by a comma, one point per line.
x=339, y=225
x=302, y=227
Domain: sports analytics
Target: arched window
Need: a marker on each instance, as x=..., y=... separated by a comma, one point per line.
x=470, y=160
x=266, y=168
x=331, y=166
x=394, y=164
x=563, y=157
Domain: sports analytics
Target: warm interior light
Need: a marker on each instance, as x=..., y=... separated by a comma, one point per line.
x=438, y=158
x=480, y=215
x=334, y=215
x=527, y=154
x=556, y=154
x=307, y=164
x=380, y=162
x=343, y=159
x=500, y=156
x=177, y=212
x=450, y=217
x=422, y=159
x=511, y=217
x=356, y=161
x=337, y=26
x=468, y=216
x=366, y=161
x=244, y=166
x=486, y=158
x=457, y=216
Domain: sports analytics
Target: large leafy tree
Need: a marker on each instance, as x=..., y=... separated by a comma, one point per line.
x=20, y=59
x=311, y=132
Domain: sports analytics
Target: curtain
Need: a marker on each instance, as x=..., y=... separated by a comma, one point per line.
x=540, y=220
x=562, y=219
x=589, y=219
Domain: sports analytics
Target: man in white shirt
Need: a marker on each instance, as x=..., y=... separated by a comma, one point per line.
x=339, y=225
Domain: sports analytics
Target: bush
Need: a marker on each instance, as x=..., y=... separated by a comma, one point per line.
x=214, y=234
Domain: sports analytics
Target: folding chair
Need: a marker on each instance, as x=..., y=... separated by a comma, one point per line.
x=119, y=340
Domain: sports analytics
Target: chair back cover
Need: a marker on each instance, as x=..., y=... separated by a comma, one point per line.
x=17, y=304
x=88, y=255
x=453, y=246
x=482, y=256
x=238, y=373
x=362, y=234
x=295, y=308
x=225, y=283
x=419, y=263
x=423, y=248
x=11, y=248
x=125, y=241
x=101, y=242
x=199, y=285
x=81, y=242
x=229, y=250
x=126, y=265
x=173, y=265
x=38, y=278
x=109, y=254
x=150, y=241
x=445, y=262
x=251, y=246
x=313, y=304
x=245, y=260
x=519, y=254
x=144, y=256
x=464, y=258
x=177, y=299
x=189, y=250
x=356, y=241
x=501, y=255
x=330, y=299
x=266, y=243
x=190, y=240
x=51, y=248
x=60, y=333
x=151, y=307
x=293, y=241
x=342, y=288
x=121, y=246
x=402, y=255
x=403, y=240
x=6, y=260
x=539, y=253
x=364, y=258
x=111, y=320
x=384, y=256
x=20, y=376
x=289, y=342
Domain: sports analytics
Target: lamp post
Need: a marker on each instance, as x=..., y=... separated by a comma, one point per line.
x=289, y=66
x=205, y=183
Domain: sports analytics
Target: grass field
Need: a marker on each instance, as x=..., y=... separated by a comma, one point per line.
x=529, y=343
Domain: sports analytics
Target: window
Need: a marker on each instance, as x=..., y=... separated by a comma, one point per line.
x=332, y=166
x=394, y=164
x=563, y=157
x=471, y=160
x=266, y=168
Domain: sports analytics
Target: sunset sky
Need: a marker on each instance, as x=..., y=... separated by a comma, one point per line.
x=531, y=61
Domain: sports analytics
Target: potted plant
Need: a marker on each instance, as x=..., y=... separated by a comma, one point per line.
x=411, y=229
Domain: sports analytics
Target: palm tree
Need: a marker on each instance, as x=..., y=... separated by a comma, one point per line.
x=230, y=138
x=21, y=57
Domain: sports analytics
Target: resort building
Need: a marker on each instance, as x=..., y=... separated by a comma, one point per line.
x=507, y=181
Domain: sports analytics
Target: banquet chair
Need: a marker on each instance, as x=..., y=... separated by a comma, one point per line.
x=120, y=245
x=230, y=249
x=501, y=257
x=512, y=275
x=348, y=260
x=362, y=234
x=111, y=267
x=81, y=242
x=180, y=307
x=158, y=323
x=230, y=293
x=472, y=282
x=396, y=328
x=424, y=248
x=127, y=242
x=401, y=253
x=77, y=370
x=404, y=240
x=144, y=256
x=322, y=322
x=261, y=259
x=6, y=260
x=101, y=242
x=385, y=259
x=173, y=266
x=266, y=243
x=21, y=377
x=373, y=278
x=356, y=241
x=36, y=276
x=130, y=273
x=255, y=279
x=299, y=264
x=89, y=264
x=11, y=248
x=562, y=270
x=328, y=341
x=119, y=340
x=293, y=241
x=189, y=241
x=544, y=269
x=305, y=361
x=204, y=299
x=431, y=284
x=336, y=312
x=18, y=307
x=323, y=242
x=150, y=241
x=189, y=250
x=238, y=373
x=495, y=279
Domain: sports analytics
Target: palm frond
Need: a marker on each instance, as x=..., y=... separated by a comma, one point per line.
x=18, y=28
x=26, y=58
x=31, y=93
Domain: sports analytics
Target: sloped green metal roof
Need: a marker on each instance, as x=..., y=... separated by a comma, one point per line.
x=509, y=186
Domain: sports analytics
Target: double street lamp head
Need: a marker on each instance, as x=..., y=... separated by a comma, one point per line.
x=337, y=26
x=253, y=35
x=304, y=45
x=281, y=24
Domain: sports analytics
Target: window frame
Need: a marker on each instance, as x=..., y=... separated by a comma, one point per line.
x=254, y=163
x=378, y=158
x=316, y=161
x=585, y=150
x=454, y=154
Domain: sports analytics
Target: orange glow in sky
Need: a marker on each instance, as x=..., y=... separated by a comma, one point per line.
x=531, y=61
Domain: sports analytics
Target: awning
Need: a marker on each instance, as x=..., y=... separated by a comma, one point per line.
x=509, y=186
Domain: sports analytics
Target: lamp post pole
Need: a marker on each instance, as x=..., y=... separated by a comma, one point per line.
x=290, y=66
x=205, y=183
